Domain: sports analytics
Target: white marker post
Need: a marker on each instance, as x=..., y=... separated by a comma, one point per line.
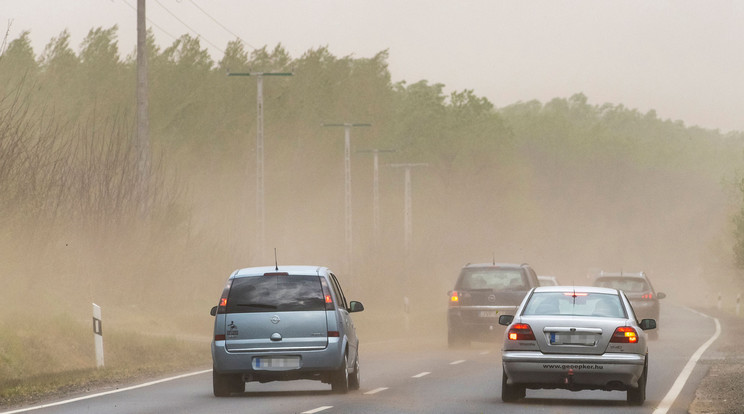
x=738, y=305
x=98, y=335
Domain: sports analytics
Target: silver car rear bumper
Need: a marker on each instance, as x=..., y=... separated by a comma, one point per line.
x=611, y=371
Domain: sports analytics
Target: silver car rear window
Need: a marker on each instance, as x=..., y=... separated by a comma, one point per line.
x=275, y=293
x=575, y=304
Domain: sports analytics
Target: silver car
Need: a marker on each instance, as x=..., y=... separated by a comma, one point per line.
x=284, y=323
x=575, y=338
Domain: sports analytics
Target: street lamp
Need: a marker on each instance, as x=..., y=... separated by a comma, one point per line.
x=260, y=204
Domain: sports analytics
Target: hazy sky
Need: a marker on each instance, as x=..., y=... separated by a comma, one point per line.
x=683, y=58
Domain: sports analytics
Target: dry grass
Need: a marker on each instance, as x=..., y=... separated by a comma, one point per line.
x=57, y=358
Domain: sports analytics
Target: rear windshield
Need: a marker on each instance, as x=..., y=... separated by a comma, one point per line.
x=492, y=279
x=628, y=284
x=575, y=304
x=275, y=293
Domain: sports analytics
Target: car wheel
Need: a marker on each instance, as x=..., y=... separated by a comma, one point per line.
x=637, y=396
x=340, y=378
x=354, y=377
x=225, y=384
x=511, y=392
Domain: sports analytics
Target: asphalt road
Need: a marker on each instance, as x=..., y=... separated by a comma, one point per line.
x=398, y=377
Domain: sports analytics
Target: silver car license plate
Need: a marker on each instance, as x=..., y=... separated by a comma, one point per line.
x=572, y=339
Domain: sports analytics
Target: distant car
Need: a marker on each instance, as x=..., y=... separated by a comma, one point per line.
x=284, y=323
x=547, y=280
x=575, y=338
x=482, y=292
x=637, y=286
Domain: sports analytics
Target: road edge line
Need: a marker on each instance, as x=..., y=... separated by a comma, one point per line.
x=101, y=394
x=679, y=383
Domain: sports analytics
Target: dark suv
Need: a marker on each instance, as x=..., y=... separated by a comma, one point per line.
x=483, y=292
x=637, y=288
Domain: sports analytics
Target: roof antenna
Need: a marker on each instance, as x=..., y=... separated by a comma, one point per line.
x=276, y=262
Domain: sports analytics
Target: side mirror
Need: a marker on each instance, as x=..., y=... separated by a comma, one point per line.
x=660, y=295
x=213, y=311
x=647, y=324
x=355, y=306
x=506, y=320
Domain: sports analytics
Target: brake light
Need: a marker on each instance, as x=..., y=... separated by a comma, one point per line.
x=625, y=334
x=647, y=296
x=454, y=298
x=521, y=332
x=333, y=334
x=575, y=294
x=222, y=307
x=327, y=298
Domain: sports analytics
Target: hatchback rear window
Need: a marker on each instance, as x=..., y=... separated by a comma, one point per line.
x=627, y=284
x=275, y=293
x=492, y=279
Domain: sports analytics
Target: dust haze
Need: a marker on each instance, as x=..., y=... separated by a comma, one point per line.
x=564, y=220
x=566, y=186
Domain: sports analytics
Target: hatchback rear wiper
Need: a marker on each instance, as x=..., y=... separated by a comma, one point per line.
x=258, y=305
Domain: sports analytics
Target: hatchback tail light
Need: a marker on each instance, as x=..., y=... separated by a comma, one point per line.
x=327, y=298
x=521, y=332
x=625, y=334
x=647, y=296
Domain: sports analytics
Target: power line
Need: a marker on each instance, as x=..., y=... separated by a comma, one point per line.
x=150, y=20
x=188, y=27
x=222, y=25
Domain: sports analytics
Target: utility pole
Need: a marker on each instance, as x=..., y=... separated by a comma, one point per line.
x=347, y=185
x=260, y=203
x=143, y=123
x=376, y=193
x=408, y=204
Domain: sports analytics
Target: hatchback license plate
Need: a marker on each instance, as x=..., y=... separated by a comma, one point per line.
x=275, y=363
x=487, y=314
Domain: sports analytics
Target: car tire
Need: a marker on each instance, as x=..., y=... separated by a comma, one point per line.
x=340, y=378
x=637, y=396
x=225, y=384
x=354, y=377
x=511, y=392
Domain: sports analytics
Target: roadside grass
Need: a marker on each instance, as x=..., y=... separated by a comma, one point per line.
x=55, y=357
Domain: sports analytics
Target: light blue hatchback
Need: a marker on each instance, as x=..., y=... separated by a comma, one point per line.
x=284, y=323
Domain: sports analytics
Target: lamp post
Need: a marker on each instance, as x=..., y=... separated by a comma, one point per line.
x=347, y=186
x=376, y=193
x=408, y=204
x=260, y=203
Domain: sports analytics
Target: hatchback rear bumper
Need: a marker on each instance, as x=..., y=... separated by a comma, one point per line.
x=327, y=359
x=611, y=371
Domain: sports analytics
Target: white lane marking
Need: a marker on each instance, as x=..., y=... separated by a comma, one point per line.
x=668, y=400
x=375, y=391
x=101, y=394
x=317, y=410
x=459, y=361
x=485, y=352
x=421, y=375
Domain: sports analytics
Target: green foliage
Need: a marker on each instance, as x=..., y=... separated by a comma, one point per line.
x=565, y=181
